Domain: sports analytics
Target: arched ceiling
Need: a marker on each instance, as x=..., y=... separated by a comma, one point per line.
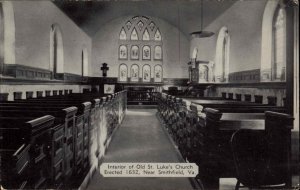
x=184, y=14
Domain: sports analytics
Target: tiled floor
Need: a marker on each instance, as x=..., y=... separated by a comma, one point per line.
x=140, y=138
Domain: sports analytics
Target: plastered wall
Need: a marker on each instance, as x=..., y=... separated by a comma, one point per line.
x=33, y=20
x=244, y=23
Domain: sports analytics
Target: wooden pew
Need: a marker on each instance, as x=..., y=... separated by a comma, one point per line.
x=219, y=133
x=114, y=105
x=203, y=137
x=24, y=151
x=111, y=108
x=227, y=106
x=65, y=119
x=77, y=136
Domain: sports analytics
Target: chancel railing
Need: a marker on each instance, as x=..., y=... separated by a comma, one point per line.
x=141, y=97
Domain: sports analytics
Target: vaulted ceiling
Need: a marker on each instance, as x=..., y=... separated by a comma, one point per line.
x=184, y=14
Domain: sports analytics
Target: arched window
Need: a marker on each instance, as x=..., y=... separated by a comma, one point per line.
x=84, y=62
x=123, y=52
x=56, y=50
x=157, y=36
x=146, y=73
x=222, y=56
x=146, y=53
x=157, y=53
x=123, y=35
x=273, y=49
x=140, y=43
x=134, y=73
x=279, y=45
x=157, y=73
x=123, y=73
x=7, y=34
x=134, y=35
x=1, y=39
x=146, y=35
x=134, y=52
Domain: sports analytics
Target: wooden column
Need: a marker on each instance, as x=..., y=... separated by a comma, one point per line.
x=290, y=58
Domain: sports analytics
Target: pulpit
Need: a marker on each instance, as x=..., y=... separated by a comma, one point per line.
x=200, y=77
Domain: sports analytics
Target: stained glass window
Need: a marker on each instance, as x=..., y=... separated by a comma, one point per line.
x=134, y=52
x=146, y=35
x=157, y=52
x=279, y=45
x=123, y=52
x=146, y=53
x=134, y=35
x=123, y=35
x=157, y=36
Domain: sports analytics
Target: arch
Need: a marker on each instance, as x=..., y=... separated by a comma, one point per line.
x=140, y=25
x=157, y=53
x=122, y=35
x=56, y=50
x=140, y=28
x=221, y=69
x=128, y=25
x=158, y=73
x=157, y=36
x=85, y=62
x=152, y=26
x=123, y=72
x=146, y=73
x=134, y=35
x=266, y=43
x=1, y=39
x=146, y=52
x=123, y=52
x=134, y=73
x=279, y=45
x=134, y=52
x=146, y=36
x=8, y=36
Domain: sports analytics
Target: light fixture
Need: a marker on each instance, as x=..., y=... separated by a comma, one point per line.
x=201, y=33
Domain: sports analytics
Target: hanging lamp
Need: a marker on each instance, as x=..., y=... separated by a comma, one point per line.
x=201, y=33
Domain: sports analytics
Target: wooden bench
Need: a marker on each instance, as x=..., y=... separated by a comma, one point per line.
x=226, y=106
x=77, y=134
x=24, y=149
x=65, y=118
x=203, y=135
x=86, y=126
x=219, y=133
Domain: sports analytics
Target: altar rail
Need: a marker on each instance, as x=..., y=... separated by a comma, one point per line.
x=141, y=98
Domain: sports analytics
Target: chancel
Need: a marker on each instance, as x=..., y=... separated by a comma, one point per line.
x=171, y=95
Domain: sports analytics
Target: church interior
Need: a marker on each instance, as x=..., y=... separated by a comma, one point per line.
x=210, y=82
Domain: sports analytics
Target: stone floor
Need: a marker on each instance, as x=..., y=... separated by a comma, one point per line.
x=140, y=138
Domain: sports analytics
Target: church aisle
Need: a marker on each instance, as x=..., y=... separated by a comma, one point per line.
x=140, y=138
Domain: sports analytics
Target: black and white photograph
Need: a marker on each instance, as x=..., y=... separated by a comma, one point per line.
x=149, y=94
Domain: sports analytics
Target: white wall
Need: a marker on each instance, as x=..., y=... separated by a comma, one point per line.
x=244, y=23
x=33, y=20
